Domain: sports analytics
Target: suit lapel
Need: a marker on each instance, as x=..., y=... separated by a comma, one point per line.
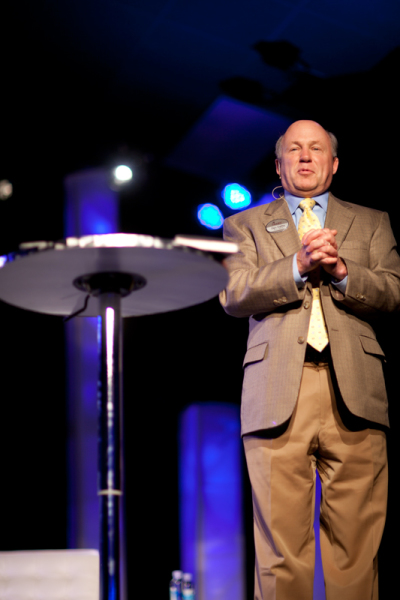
x=288, y=241
x=339, y=216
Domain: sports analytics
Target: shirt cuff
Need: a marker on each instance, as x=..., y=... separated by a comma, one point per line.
x=341, y=285
x=300, y=280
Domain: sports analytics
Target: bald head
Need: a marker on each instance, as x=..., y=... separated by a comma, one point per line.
x=306, y=159
x=332, y=137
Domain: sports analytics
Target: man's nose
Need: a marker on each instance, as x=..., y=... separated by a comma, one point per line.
x=305, y=155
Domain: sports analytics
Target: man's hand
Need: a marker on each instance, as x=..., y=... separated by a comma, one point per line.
x=320, y=249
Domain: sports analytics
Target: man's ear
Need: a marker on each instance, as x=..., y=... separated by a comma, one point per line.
x=278, y=166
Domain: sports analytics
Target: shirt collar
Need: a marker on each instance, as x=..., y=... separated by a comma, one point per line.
x=294, y=201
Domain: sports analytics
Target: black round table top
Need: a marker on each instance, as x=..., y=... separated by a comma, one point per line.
x=40, y=276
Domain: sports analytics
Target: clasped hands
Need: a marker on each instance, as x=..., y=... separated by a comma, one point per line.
x=319, y=249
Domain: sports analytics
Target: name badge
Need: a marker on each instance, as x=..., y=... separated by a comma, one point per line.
x=277, y=225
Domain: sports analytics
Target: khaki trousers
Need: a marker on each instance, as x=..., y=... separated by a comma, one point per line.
x=352, y=464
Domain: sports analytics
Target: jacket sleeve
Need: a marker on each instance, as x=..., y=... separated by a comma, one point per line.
x=256, y=286
x=375, y=288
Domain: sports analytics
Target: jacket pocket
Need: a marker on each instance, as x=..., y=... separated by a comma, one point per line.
x=371, y=346
x=255, y=354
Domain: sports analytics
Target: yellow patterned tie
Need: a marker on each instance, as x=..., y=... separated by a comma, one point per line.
x=317, y=333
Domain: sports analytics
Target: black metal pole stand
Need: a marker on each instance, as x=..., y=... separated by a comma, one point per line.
x=110, y=287
x=110, y=458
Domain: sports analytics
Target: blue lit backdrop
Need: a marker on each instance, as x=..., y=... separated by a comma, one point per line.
x=91, y=207
x=210, y=495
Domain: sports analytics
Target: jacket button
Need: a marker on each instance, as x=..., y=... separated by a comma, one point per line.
x=276, y=302
x=306, y=304
x=284, y=299
x=301, y=340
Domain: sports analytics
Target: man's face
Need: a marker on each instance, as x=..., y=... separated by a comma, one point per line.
x=306, y=165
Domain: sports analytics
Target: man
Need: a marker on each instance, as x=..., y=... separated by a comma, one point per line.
x=311, y=279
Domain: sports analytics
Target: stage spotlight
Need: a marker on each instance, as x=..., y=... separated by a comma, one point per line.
x=210, y=216
x=6, y=189
x=236, y=196
x=122, y=174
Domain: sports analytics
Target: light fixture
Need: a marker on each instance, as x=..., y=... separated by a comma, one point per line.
x=236, y=196
x=6, y=189
x=210, y=216
x=122, y=174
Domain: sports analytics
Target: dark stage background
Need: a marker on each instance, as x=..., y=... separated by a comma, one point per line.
x=81, y=84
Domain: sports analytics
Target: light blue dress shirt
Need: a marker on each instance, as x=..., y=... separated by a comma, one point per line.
x=320, y=208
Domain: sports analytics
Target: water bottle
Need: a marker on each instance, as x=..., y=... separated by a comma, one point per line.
x=175, y=586
x=187, y=587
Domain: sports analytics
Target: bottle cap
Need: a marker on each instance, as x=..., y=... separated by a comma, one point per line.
x=177, y=574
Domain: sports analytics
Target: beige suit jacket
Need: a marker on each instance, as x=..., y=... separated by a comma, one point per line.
x=261, y=287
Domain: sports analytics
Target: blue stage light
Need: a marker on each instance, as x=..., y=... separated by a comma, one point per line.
x=210, y=216
x=236, y=196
